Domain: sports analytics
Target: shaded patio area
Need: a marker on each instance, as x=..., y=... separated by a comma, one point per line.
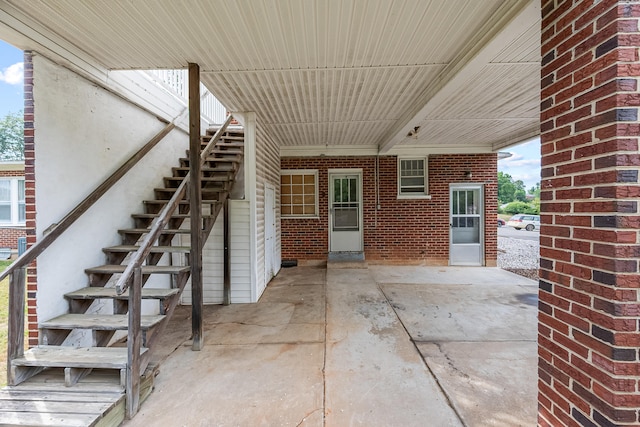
x=377, y=346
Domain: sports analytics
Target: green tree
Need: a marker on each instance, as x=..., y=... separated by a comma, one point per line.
x=506, y=188
x=12, y=137
x=535, y=191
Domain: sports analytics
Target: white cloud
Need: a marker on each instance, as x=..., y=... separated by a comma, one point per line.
x=13, y=74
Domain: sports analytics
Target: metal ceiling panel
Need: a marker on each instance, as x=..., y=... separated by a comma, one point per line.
x=316, y=72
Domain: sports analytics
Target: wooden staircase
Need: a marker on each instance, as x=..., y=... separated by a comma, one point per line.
x=80, y=371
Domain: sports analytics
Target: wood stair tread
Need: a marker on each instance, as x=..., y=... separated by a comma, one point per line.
x=177, y=216
x=96, y=292
x=154, y=249
x=101, y=322
x=224, y=178
x=76, y=357
x=182, y=202
x=146, y=269
x=146, y=230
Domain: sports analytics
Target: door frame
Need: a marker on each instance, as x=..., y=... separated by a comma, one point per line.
x=270, y=268
x=359, y=174
x=482, y=212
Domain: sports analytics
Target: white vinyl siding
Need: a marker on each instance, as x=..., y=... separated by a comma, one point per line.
x=213, y=259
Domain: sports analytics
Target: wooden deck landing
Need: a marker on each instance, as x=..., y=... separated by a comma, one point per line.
x=98, y=400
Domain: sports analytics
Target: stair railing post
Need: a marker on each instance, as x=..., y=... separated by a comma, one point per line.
x=15, y=344
x=134, y=342
x=195, y=206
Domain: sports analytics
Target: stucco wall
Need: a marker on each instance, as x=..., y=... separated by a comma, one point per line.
x=82, y=134
x=401, y=231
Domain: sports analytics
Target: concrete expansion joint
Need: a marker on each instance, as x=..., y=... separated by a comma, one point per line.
x=424, y=361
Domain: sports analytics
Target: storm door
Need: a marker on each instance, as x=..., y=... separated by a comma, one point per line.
x=466, y=221
x=345, y=212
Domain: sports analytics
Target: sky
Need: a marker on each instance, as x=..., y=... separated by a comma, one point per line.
x=524, y=164
x=11, y=72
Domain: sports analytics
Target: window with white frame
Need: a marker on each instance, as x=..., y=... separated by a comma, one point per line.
x=412, y=177
x=12, y=205
x=299, y=193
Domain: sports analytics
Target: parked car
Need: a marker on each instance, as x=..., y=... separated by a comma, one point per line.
x=501, y=222
x=526, y=221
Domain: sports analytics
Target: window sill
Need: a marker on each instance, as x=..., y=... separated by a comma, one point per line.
x=298, y=217
x=414, y=197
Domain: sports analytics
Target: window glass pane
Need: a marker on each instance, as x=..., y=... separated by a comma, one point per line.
x=22, y=214
x=353, y=190
x=412, y=176
x=5, y=212
x=345, y=219
x=21, y=190
x=462, y=202
x=5, y=190
x=298, y=194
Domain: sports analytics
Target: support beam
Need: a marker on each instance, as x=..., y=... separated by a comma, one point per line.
x=227, y=256
x=195, y=209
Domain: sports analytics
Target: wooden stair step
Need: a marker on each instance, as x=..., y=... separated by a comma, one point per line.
x=230, y=143
x=96, y=292
x=146, y=269
x=223, y=149
x=154, y=215
x=75, y=357
x=218, y=168
x=215, y=160
x=218, y=178
x=182, y=202
x=154, y=249
x=204, y=190
x=141, y=231
x=99, y=322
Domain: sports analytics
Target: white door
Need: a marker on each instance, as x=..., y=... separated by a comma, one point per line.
x=345, y=212
x=269, y=232
x=466, y=220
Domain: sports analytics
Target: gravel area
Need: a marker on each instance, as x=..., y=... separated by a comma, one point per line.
x=519, y=256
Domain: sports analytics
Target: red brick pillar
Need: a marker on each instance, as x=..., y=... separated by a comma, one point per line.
x=30, y=195
x=589, y=312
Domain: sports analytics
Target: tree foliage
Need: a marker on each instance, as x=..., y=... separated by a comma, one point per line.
x=12, y=137
x=513, y=195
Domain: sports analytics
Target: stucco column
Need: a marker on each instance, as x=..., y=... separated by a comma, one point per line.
x=589, y=312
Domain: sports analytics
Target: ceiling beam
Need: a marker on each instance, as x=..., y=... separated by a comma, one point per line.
x=494, y=36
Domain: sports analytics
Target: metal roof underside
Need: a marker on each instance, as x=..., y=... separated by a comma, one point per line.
x=465, y=73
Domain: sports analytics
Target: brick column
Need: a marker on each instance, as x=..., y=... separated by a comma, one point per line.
x=589, y=312
x=30, y=195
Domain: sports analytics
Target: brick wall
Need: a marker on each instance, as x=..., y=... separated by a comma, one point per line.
x=9, y=236
x=401, y=231
x=589, y=314
x=30, y=196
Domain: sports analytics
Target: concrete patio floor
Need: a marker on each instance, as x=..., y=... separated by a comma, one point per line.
x=377, y=346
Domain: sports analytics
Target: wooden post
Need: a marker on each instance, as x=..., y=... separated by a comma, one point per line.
x=15, y=343
x=134, y=342
x=226, y=298
x=195, y=207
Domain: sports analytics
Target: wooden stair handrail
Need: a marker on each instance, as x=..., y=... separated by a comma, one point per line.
x=163, y=218
x=57, y=229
